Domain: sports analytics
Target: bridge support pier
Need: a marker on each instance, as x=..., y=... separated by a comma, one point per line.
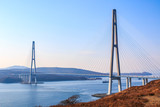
x=110, y=86
x=127, y=82
x=143, y=81
x=130, y=82
x=146, y=80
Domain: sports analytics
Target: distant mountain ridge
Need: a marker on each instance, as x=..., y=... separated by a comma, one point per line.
x=48, y=70
x=65, y=70
x=52, y=70
x=16, y=67
x=11, y=74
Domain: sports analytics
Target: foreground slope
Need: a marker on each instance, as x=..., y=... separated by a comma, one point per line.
x=136, y=96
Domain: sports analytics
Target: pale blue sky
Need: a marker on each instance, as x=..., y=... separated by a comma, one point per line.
x=73, y=33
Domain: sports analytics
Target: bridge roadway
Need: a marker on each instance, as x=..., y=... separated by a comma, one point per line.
x=128, y=77
x=106, y=75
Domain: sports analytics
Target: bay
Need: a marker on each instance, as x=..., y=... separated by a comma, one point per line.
x=51, y=93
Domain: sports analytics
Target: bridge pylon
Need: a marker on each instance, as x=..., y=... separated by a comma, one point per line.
x=33, y=61
x=114, y=48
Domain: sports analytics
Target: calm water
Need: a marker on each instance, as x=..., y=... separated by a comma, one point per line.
x=51, y=93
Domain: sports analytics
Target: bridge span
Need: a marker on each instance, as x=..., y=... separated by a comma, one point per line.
x=111, y=75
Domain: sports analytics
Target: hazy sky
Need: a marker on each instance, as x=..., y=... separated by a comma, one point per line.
x=74, y=33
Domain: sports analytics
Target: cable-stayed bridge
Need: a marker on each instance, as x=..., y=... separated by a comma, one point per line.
x=127, y=56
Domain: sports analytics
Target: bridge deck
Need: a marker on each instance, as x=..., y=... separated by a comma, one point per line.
x=132, y=76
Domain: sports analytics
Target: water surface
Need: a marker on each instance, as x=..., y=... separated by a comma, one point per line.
x=51, y=93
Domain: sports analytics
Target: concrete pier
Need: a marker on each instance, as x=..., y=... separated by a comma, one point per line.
x=127, y=82
x=130, y=82
x=146, y=80
x=143, y=81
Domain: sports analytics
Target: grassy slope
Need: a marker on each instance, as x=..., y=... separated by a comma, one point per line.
x=137, y=96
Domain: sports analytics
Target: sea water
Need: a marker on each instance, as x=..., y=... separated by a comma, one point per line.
x=51, y=93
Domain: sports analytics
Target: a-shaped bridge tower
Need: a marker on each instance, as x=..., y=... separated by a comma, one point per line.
x=114, y=48
x=33, y=61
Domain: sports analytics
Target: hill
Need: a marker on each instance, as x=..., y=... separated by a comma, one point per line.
x=10, y=74
x=45, y=70
x=64, y=70
x=13, y=70
x=16, y=67
x=136, y=96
